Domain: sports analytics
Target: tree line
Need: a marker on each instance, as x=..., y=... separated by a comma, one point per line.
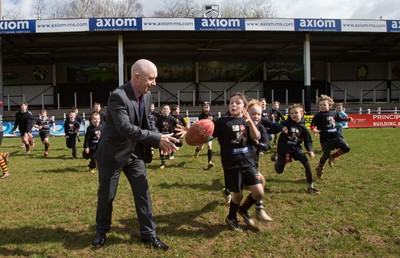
x=60, y=9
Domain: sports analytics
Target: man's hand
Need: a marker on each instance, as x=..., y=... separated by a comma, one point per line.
x=167, y=143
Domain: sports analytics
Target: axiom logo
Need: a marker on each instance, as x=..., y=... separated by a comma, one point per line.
x=394, y=24
x=220, y=23
x=312, y=23
x=116, y=22
x=14, y=25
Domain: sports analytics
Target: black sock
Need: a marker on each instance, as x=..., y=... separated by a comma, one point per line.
x=233, y=207
x=209, y=155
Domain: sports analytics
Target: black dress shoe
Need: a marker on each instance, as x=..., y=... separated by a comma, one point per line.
x=155, y=242
x=99, y=239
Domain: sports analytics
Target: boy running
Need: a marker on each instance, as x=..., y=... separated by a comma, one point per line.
x=234, y=133
x=293, y=134
x=97, y=109
x=71, y=130
x=24, y=121
x=165, y=125
x=206, y=114
x=43, y=124
x=92, y=137
x=341, y=124
x=255, y=112
x=323, y=124
x=175, y=112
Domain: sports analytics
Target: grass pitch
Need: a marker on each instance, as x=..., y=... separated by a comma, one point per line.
x=48, y=205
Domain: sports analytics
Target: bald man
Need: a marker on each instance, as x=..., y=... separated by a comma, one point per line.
x=124, y=146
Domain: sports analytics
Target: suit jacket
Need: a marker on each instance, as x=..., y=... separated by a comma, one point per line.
x=123, y=135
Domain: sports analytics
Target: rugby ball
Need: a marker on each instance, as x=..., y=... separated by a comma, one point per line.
x=1, y=103
x=199, y=132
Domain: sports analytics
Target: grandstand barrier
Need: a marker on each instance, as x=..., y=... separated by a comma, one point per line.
x=360, y=121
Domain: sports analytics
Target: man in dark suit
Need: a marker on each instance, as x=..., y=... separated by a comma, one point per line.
x=125, y=145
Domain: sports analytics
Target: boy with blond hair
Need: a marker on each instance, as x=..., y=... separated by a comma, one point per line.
x=323, y=124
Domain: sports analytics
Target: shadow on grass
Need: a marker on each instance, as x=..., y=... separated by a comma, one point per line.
x=55, y=157
x=277, y=180
x=74, y=168
x=215, y=186
x=35, y=154
x=154, y=166
x=32, y=235
x=179, y=224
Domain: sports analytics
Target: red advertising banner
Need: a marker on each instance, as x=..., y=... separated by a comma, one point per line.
x=374, y=120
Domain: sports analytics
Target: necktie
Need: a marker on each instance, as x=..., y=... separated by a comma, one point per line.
x=141, y=107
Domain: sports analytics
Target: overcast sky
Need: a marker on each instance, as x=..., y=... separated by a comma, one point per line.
x=340, y=9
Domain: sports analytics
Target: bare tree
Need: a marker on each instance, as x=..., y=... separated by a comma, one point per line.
x=79, y=8
x=115, y=8
x=248, y=9
x=38, y=9
x=11, y=14
x=59, y=9
x=180, y=8
x=99, y=8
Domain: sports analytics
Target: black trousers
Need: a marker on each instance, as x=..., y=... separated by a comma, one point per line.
x=135, y=172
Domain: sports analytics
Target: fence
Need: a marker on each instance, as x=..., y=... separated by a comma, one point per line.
x=44, y=95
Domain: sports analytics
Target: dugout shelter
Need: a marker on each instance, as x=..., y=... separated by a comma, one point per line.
x=62, y=62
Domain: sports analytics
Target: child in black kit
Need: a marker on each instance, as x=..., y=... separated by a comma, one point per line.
x=255, y=111
x=237, y=157
x=180, y=120
x=175, y=112
x=207, y=114
x=323, y=124
x=92, y=136
x=71, y=130
x=238, y=160
x=166, y=124
x=293, y=134
x=97, y=109
x=43, y=124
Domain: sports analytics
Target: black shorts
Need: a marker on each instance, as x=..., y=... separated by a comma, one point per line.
x=44, y=134
x=236, y=179
x=329, y=144
x=22, y=132
x=295, y=155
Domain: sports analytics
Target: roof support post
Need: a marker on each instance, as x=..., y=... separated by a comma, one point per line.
x=197, y=84
x=389, y=81
x=329, y=78
x=307, y=73
x=121, y=59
